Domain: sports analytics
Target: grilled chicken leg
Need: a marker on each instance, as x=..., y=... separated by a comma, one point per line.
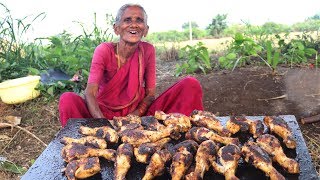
x=272, y=145
x=204, y=157
x=208, y=120
x=105, y=132
x=137, y=137
x=178, y=119
x=259, y=158
x=87, y=140
x=227, y=161
x=123, y=161
x=181, y=161
x=241, y=123
x=279, y=126
x=146, y=150
x=76, y=151
x=121, y=121
x=82, y=168
x=157, y=164
x=200, y=134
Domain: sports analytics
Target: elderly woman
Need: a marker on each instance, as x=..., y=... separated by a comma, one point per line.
x=122, y=77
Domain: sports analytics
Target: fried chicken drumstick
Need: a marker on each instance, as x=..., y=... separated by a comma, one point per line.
x=272, y=145
x=137, y=137
x=123, y=161
x=82, y=168
x=204, y=157
x=260, y=159
x=227, y=161
x=144, y=152
x=157, y=164
x=76, y=151
x=208, y=120
x=178, y=119
x=200, y=134
x=280, y=127
x=241, y=123
x=105, y=132
x=87, y=140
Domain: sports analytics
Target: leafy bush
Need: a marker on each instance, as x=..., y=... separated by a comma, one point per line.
x=197, y=59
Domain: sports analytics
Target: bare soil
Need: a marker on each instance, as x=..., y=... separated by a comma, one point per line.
x=250, y=91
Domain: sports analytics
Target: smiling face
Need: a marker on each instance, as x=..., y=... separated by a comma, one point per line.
x=132, y=25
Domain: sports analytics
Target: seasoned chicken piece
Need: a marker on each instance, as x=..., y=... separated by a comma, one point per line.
x=260, y=159
x=137, y=137
x=208, y=120
x=128, y=127
x=279, y=126
x=204, y=157
x=181, y=161
x=87, y=140
x=82, y=168
x=157, y=164
x=189, y=145
x=227, y=161
x=146, y=150
x=123, y=161
x=178, y=119
x=105, y=132
x=272, y=145
x=120, y=121
x=200, y=134
x=241, y=123
x=76, y=151
x=151, y=123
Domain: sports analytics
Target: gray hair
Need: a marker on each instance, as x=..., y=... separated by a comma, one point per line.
x=124, y=7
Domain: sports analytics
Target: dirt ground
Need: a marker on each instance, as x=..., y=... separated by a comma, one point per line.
x=250, y=91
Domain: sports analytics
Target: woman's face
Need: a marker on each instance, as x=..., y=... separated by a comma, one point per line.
x=132, y=26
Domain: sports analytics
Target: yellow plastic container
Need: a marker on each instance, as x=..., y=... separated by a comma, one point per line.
x=19, y=90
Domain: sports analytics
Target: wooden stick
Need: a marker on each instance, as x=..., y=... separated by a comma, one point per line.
x=2, y=125
x=311, y=119
x=274, y=98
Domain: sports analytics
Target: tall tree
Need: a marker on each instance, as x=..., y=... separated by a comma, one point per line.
x=217, y=25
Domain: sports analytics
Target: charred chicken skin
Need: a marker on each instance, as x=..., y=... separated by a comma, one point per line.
x=181, y=161
x=204, y=157
x=105, y=132
x=144, y=152
x=208, y=120
x=177, y=119
x=87, y=140
x=123, y=161
x=82, y=168
x=201, y=134
x=118, y=122
x=272, y=145
x=157, y=164
x=279, y=126
x=260, y=159
x=137, y=137
x=227, y=161
x=76, y=151
x=241, y=123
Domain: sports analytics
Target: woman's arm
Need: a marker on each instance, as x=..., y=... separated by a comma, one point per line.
x=90, y=97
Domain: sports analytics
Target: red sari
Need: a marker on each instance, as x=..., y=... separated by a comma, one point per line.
x=121, y=92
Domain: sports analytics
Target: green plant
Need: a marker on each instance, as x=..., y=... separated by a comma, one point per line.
x=197, y=59
x=240, y=51
x=9, y=166
x=16, y=55
x=297, y=52
x=272, y=59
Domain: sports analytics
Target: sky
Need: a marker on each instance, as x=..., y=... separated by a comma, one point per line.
x=163, y=15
